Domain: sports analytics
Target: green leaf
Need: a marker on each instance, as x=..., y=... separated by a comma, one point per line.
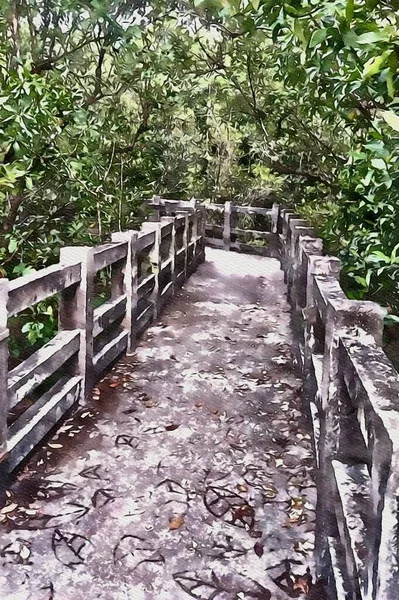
x=318, y=37
x=379, y=164
x=391, y=118
x=375, y=64
x=350, y=10
x=299, y=32
x=371, y=37
x=390, y=84
x=12, y=246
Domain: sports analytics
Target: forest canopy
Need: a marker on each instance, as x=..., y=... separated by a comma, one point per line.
x=106, y=102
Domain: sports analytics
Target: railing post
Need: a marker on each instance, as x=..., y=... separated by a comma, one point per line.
x=129, y=285
x=155, y=260
x=76, y=312
x=172, y=249
x=4, y=405
x=185, y=239
x=275, y=216
x=194, y=238
x=227, y=226
x=202, y=224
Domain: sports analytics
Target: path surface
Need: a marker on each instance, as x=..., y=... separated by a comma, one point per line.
x=189, y=475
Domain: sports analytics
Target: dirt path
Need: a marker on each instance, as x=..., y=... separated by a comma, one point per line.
x=190, y=473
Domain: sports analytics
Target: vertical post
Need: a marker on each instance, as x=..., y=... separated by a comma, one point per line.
x=130, y=279
x=155, y=260
x=275, y=217
x=201, y=234
x=185, y=239
x=227, y=226
x=4, y=333
x=194, y=238
x=319, y=266
x=172, y=249
x=76, y=311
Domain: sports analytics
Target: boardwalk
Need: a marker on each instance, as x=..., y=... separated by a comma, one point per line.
x=190, y=472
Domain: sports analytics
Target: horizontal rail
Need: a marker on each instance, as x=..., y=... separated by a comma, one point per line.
x=40, y=285
x=39, y=418
x=41, y=365
x=112, y=327
x=110, y=352
x=108, y=313
x=108, y=254
x=145, y=285
x=145, y=240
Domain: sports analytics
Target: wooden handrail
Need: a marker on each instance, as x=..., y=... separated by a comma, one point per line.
x=136, y=260
x=351, y=391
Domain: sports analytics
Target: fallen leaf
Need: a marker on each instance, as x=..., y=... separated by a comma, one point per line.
x=176, y=522
x=172, y=427
x=258, y=549
x=242, y=488
x=115, y=384
x=25, y=552
x=254, y=533
x=54, y=445
x=8, y=509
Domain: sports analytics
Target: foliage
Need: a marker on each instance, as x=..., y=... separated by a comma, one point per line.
x=104, y=103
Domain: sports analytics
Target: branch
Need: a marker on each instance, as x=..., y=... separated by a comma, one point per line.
x=313, y=178
x=49, y=63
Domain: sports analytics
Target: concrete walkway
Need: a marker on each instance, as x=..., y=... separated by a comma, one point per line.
x=190, y=472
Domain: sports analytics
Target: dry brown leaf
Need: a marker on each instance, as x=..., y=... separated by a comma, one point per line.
x=172, y=427
x=176, y=522
x=7, y=509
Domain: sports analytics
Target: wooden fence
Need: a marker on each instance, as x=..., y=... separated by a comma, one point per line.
x=228, y=234
x=147, y=266
x=352, y=391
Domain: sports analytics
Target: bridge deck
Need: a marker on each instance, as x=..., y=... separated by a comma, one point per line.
x=190, y=472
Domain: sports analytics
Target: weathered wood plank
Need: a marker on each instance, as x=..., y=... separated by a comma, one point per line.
x=166, y=229
x=167, y=289
x=227, y=226
x=144, y=318
x=76, y=312
x=145, y=285
x=145, y=240
x=30, y=289
x=107, y=313
x=166, y=263
x=110, y=352
x=38, y=419
x=37, y=368
x=354, y=489
x=127, y=283
x=108, y=254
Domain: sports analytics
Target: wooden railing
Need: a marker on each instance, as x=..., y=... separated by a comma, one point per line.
x=227, y=234
x=352, y=392
x=147, y=266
